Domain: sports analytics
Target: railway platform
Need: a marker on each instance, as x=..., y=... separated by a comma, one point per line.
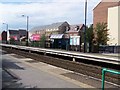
x=55, y=75
x=105, y=58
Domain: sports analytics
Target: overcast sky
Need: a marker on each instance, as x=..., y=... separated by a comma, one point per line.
x=43, y=12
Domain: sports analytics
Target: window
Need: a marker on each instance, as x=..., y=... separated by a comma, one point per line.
x=67, y=28
x=77, y=28
x=75, y=34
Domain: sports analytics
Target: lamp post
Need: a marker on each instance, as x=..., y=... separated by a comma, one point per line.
x=6, y=31
x=85, y=26
x=6, y=26
x=27, y=21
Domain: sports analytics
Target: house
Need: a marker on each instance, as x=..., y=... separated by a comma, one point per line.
x=53, y=32
x=17, y=35
x=108, y=12
x=75, y=36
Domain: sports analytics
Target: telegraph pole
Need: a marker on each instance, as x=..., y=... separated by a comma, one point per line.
x=85, y=26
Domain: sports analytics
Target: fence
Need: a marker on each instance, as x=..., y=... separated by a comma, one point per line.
x=109, y=49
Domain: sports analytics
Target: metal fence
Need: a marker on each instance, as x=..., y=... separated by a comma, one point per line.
x=104, y=70
x=109, y=49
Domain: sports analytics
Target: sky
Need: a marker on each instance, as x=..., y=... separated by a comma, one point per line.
x=44, y=12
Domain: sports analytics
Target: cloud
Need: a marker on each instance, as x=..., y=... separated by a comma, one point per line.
x=44, y=12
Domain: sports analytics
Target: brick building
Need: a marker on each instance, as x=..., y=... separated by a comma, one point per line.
x=75, y=35
x=100, y=12
x=56, y=32
x=16, y=34
x=52, y=32
x=109, y=12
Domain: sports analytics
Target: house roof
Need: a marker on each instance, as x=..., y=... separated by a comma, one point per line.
x=21, y=31
x=39, y=28
x=13, y=32
x=72, y=28
x=54, y=25
x=51, y=26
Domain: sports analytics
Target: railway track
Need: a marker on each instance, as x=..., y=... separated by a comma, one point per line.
x=93, y=69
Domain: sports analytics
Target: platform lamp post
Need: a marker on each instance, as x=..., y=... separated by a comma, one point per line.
x=85, y=26
x=27, y=21
x=6, y=26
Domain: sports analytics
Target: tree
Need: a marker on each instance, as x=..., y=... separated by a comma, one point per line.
x=12, y=41
x=101, y=34
x=90, y=37
x=42, y=41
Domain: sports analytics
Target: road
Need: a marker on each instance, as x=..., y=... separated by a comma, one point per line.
x=21, y=72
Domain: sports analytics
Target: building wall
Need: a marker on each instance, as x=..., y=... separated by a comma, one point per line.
x=113, y=25
x=100, y=12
